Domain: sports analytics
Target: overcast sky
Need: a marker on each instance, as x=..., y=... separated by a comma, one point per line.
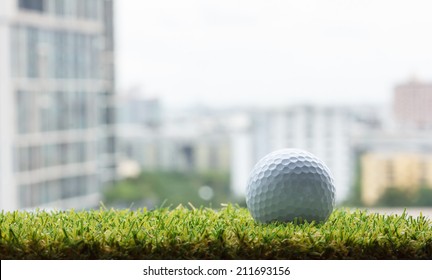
x=232, y=52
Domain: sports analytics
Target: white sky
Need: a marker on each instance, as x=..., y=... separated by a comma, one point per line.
x=268, y=52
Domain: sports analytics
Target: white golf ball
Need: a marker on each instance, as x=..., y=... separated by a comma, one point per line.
x=290, y=184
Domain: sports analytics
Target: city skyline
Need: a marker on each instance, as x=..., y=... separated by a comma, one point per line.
x=226, y=53
x=67, y=130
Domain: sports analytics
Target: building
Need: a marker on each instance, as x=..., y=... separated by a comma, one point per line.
x=187, y=143
x=399, y=159
x=407, y=171
x=412, y=105
x=135, y=109
x=57, y=131
x=323, y=131
x=331, y=133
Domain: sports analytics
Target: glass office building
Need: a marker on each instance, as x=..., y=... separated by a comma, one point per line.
x=57, y=127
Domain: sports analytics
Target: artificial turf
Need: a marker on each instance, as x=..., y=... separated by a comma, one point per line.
x=204, y=233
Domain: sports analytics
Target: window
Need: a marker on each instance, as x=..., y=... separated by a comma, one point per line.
x=81, y=185
x=35, y=157
x=33, y=5
x=23, y=111
x=64, y=152
x=108, y=114
x=25, y=194
x=82, y=157
x=50, y=155
x=14, y=43
x=69, y=187
x=60, y=7
x=33, y=56
x=23, y=159
x=53, y=190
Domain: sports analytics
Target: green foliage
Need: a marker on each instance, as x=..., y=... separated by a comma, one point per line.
x=394, y=197
x=204, y=233
x=424, y=197
x=168, y=188
x=397, y=197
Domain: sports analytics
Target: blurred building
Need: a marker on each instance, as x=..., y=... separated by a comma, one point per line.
x=234, y=140
x=399, y=159
x=132, y=108
x=187, y=143
x=56, y=102
x=323, y=131
x=412, y=105
x=381, y=170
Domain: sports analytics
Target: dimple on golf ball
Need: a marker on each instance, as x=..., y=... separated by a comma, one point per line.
x=288, y=185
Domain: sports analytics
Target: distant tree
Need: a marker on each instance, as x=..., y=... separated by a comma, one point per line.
x=395, y=197
x=169, y=189
x=398, y=197
x=424, y=197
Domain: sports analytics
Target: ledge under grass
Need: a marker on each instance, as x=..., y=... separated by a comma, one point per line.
x=203, y=233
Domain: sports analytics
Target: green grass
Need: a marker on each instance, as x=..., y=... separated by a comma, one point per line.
x=229, y=233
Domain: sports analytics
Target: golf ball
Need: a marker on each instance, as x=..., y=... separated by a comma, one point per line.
x=290, y=184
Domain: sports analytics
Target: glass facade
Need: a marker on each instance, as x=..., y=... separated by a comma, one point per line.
x=75, y=9
x=32, y=195
x=34, y=5
x=58, y=110
x=64, y=85
x=56, y=54
x=30, y=158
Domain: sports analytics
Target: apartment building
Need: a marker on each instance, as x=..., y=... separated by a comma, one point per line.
x=57, y=130
x=405, y=170
x=323, y=131
x=412, y=105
